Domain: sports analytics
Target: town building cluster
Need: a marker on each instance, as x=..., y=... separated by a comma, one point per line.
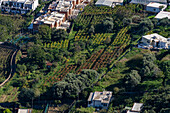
x=59, y=13
x=18, y=6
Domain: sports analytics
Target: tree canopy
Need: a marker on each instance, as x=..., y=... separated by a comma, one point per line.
x=150, y=69
x=36, y=55
x=72, y=84
x=45, y=32
x=59, y=34
x=133, y=79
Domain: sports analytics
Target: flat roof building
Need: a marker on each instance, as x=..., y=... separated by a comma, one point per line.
x=18, y=6
x=109, y=3
x=145, y=2
x=100, y=99
x=155, y=7
x=163, y=14
x=53, y=20
x=137, y=107
x=24, y=111
x=155, y=41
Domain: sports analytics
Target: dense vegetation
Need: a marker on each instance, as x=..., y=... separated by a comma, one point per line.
x=10, y=26
x=54, y=66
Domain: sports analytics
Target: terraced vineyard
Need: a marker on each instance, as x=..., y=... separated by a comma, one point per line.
x=10, y=96
x=93, y=15
x=97, y=38
x=5, y=56
x=113, y=51
x=100, y=59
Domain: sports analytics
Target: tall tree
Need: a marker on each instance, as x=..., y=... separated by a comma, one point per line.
x=91, y=30
x=21, y=69
x=150, y=69
x=164, y=22
x=27, y=94
x=36, y=54
x=59, y=34
x=146, y=25
x=45, y=32
x=133, y=79
x=108, y=25
x=3, y=33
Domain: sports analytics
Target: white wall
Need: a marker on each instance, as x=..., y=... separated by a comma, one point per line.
x=152, y=9
x=35, y=5
x=145, y=41
x=97, y=103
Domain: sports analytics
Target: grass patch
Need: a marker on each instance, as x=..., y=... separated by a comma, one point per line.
x=72, y=34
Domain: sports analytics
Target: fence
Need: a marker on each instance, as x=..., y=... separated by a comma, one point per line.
x=46, y=109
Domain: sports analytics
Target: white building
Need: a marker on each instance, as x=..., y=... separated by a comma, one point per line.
x=100, y=99
x=110, y=3
x=18, y=6
x=24, y=111
x=154, y=41
x=137, y=107
x=155, y=7
x=145, y=2
x=163, y=14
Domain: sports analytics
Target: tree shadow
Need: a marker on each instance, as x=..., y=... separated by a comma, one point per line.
x=120, y=84
x=134, y=64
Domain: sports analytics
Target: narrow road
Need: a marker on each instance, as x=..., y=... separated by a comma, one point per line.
x=12, y=66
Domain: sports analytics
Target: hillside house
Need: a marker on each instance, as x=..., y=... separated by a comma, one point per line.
x=155, y=7
x=163, y=14
x=154, y=41
x=100, y=99
x=110, y=3
x=146, y=2
x=18, y=6
x=137, y=107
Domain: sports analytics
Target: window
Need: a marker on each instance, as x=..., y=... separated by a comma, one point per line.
x=104, y=104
